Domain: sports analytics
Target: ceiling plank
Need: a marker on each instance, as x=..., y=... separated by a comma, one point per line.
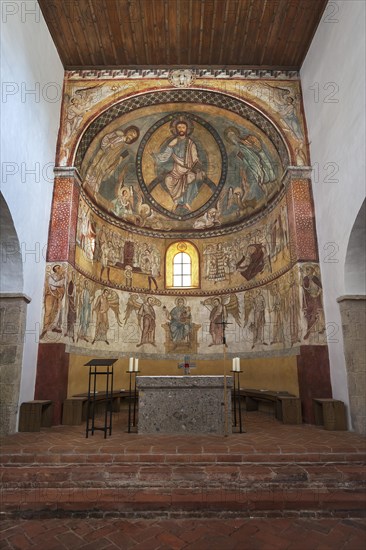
x=219, y=33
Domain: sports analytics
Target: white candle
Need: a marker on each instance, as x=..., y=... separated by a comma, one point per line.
x=136, y=365
x=238, y=364
x=233, y=367
x=130, y=365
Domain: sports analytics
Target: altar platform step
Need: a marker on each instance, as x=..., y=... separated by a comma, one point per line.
x=272, y=470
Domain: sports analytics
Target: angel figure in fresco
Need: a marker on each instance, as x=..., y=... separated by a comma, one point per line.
x=184, y=179
x=211, y=218
x=236, y=200
x=147, y=321
x=133, y=305
x=109, y=156
x=312, y=301
x=80, y=103
x=257, y=164
x=54, y=294
x=286, y=103
x=220, y=309
x=74, y=115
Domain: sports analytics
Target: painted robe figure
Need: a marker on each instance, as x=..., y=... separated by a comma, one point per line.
x=259, y=321
x=55, y=292
x=293, y=309
x=147, y=321
x=102, y=325
x=85, y=313
x=218, y=316
x=71, y=307
x=180, y=322
x=182, y=182
x=278, y=335
x=312, y=300
x=252, y=263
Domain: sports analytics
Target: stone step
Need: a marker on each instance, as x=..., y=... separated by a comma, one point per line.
x=127, y=501
x=126, y=488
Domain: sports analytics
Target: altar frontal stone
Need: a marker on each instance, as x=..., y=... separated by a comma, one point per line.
x=183, y=404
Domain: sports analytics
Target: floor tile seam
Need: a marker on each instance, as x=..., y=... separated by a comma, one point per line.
x=166, y=515
x=344, y=455
x=173, y=463
x=250, y=486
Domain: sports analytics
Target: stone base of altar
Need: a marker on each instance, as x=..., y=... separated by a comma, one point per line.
x=184, y=404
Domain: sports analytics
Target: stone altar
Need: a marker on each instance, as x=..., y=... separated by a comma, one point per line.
x=183, y=404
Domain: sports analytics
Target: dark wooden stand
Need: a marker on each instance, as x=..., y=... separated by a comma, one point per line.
x=237, y=416
x=132, y=401
x=95, y=366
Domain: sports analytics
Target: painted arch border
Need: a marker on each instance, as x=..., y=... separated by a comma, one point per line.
x=240, y=107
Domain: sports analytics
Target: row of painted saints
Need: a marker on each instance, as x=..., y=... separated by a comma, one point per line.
x=183, y=167
x=83, y=311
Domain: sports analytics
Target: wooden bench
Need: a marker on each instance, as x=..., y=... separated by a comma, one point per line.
x=35, y=414
x=74, y=411
x=330, y=413
x=286, y=407
x=75, y=408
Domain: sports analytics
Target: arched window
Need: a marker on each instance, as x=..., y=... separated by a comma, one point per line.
x=182, y=266
x=182, y=270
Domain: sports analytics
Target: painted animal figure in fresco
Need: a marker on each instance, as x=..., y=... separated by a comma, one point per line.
x=184, y=179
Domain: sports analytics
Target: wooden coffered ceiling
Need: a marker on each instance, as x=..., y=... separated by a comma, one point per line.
x=247, y=33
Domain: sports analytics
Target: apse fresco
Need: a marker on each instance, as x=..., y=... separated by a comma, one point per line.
x=211, y=162
x=283, y=314
x=182, y=167
x=124, y=260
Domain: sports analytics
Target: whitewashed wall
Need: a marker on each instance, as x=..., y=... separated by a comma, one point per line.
x=333, y=82
x=32, y=77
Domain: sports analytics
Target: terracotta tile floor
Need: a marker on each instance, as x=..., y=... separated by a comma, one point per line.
x=193, y=534
x=266, y=440
x=264, y=436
